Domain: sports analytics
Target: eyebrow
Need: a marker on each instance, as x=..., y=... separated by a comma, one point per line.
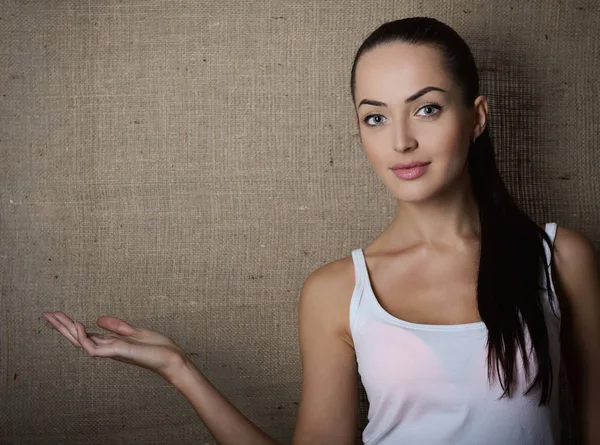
x=412, y=98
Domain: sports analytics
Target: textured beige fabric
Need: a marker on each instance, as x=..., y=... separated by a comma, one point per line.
x=184, y=165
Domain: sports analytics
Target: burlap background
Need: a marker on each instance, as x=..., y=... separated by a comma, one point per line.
x=186, y=164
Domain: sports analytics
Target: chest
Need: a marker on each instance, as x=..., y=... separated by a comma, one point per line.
x=431, y=387
x=417, y=361
x=428, y=290
x=418, y=366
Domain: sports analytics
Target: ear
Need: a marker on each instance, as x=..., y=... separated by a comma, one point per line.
x=481, y=116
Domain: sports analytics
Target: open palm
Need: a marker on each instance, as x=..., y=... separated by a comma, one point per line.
x=138, y=346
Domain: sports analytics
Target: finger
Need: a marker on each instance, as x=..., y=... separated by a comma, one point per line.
x=67, y=322
x=86, y=343
x=107, y=346
x=100, y=339
x=56, y=324
x=59, y=326
x=116, y=325
x=48, y=324
x=46, y=316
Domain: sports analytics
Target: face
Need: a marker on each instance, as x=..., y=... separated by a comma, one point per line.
x=409, y=110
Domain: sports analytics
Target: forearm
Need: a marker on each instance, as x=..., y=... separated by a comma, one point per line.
x=223, y=420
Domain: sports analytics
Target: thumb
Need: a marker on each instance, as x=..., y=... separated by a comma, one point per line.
x=115, y=325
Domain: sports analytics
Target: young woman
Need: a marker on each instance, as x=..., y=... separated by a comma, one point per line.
x=451, y=316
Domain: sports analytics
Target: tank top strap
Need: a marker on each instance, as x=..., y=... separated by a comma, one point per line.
x=360, y=266
x=550, y=228
x=360, y=279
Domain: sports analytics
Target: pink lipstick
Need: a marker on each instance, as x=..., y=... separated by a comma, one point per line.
x=411, y=170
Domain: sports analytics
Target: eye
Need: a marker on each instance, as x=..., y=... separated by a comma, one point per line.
x=373, y=120
x=432, y=109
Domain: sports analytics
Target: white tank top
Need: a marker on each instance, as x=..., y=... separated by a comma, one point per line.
x=428, y=384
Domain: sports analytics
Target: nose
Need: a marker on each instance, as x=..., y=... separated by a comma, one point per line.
x=404, y=139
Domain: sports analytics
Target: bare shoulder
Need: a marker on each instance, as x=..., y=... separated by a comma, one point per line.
x=327, y=291
x=336, y=275
x=576, y=264
x=573, y=251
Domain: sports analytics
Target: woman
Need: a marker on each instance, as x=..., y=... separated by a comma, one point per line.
x=447, y=313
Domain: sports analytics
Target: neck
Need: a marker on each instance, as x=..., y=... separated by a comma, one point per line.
x=445, y=218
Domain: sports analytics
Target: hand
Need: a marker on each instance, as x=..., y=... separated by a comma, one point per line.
x=137, y=346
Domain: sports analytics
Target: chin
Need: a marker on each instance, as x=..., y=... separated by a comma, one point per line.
x=414, y=197
x=416, y=191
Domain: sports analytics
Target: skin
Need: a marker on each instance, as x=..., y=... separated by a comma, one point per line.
x=431, y=249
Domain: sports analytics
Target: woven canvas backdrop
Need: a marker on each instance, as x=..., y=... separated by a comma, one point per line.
x=184, y=165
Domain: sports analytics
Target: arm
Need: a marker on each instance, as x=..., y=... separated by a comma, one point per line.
x=328, y=405
x=223, y=420
x=329, y=402
x=151, y=350
x=577, y=282
x=329, y=390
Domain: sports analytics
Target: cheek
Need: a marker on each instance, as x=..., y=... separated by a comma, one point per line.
x=447, y=144
x=376, y=146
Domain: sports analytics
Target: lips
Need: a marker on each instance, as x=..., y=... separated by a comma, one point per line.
x=410, y=165
x=411, y=170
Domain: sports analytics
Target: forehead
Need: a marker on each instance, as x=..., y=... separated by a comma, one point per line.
x=393, y=71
